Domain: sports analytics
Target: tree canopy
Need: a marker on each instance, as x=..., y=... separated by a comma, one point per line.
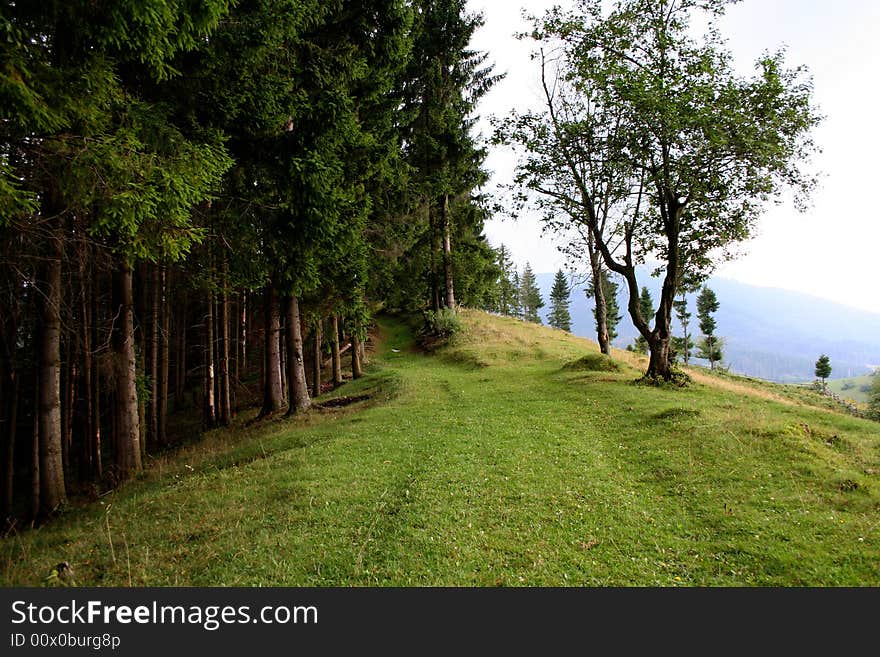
x=653, y=144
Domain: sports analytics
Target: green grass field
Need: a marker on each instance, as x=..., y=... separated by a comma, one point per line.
x=854, y=388
x=491, y=463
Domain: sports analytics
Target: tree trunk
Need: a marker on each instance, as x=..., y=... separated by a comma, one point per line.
x=209, y=417
x=164, y=354
x=35, y=453
x=599, y=298
x=71, y=394
x=86, y=469
x=357, y=370
x=128, y=443
x=334, y=351
x=241, y=363
x=316, y=360
x=180, y=368
x=432, y=244
x=225, y=402
x=95, y=436
x=447, y=254
x=66, y=397
x=10, y=394
x=153, y=355
x=296, y=374
x=272, y=396
x=52, y=492
x=282, y=350
x=9, y=391
x=140, y=292
x=658, y=366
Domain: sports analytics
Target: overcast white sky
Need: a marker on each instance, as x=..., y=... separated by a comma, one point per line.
x=829, y=251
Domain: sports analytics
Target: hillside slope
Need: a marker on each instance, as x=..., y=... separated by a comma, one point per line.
x=769, y=333
x=855, y=388
x=514, y=456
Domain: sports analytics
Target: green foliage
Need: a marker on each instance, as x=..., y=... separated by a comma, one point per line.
x=508, y=292
x=874, y=396
x=560, y=317
x=530, y=296
x=443, y=324
x=683, y=152
x=823, y=368
x=85, y=86
x=442, y=83
x=710, y=346
x=683, y=345
x=612, y=309
x=707, y=304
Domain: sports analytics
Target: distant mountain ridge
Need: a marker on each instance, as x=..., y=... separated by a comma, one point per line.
x=769, y=333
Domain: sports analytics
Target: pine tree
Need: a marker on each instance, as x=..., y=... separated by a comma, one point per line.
x=516, y=303
x=683, y=345
x=445, y=80
x=710, y=346
x=560, y=317
x=506, y=290
x=823, y=369
x=612, y=308
x=646, y=308
x=530, y=296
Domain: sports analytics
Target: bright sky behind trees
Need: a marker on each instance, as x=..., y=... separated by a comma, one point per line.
x=828, y=251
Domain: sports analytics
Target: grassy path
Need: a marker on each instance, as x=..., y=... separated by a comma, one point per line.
x=489, y=464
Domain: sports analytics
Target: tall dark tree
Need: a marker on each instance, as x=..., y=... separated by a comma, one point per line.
x=507, y=292
x=709, y=346
x=445, y=80
x=683, y=345
x=530, y=295
x=560, y=317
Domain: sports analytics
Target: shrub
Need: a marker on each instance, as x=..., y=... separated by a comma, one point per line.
x=443, y=324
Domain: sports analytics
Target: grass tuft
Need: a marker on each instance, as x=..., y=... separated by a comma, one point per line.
x=592, y=363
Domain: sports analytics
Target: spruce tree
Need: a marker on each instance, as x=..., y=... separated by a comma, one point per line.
x=709, y=347
x=506, y=288
x=516, y=303
x=444, y=81
x=560, y=317
x=612, y=308
x=530, y=296
x=683, y=345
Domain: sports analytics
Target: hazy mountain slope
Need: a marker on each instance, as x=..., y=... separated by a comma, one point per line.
x=855, y=388
x=770, y=333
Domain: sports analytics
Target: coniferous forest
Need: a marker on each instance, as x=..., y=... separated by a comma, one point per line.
x=197, y=193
